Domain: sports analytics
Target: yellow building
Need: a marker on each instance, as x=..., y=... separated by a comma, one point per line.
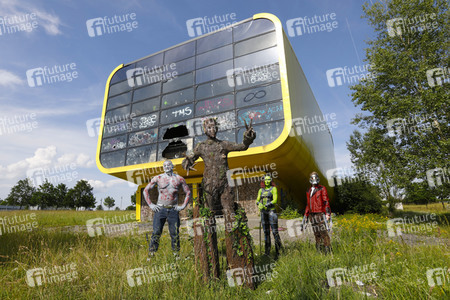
x=153, y=109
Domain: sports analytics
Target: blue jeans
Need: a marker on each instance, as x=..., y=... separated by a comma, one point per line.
x=159, y=219
x=269, y=219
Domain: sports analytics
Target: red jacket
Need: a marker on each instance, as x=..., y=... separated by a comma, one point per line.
x=318, y=202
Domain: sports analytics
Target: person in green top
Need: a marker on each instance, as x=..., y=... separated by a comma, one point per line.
x=267, y=198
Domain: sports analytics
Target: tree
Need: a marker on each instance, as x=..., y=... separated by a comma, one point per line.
x=133, y=199
x=357, y=197
x=407, y=125
x=46, y=195
x=117, y=208
x=21, y=194
x=81, y=195
x=109, y=202
x=61, y=194
x=99, y=207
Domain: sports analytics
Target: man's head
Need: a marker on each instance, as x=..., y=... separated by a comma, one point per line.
x=168, y=167
x=210, y=127
x=314, y=178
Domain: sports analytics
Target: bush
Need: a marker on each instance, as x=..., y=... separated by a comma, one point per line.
x=290, y=213
x=357, y=197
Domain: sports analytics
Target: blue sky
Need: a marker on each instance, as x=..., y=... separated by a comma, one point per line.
x=57, y=137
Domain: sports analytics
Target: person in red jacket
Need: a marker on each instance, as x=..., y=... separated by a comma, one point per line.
x=318, y=212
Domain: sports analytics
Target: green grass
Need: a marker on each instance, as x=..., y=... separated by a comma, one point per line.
x=430, y=208
x=102, y=263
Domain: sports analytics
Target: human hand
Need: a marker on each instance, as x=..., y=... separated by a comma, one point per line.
x=187, y=164
x=249, y=133
x=154, y=207
x=260, y=205
x=179, y=207
x=328, y=217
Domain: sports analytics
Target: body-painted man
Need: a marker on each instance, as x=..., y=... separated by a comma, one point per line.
x=218, y=196
x=318, y=212
x=167, y=207
x=266, y=200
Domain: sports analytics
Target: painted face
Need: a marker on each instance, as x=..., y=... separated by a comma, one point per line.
x=168, y=166
x=314, y=179
x=267, y=180
x=210, y=129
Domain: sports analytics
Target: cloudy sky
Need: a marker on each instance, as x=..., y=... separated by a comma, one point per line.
x=46, y=126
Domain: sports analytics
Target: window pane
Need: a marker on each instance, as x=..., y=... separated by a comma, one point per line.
x=213, y=88
x=252, y=28
x=262, y=113
x=141, y=155
x=145, y=107
x=115, y=129
x=121, y=74
x=146, y=121
x=151, y=62
x=117, y=101
x=178, y=98
x=118, y=115
x=177, y=114
x=115, y=143
x=265, y=134
x=113, y=159
x=257, y=59
x=178, y=53
x=228, y=135
x=147, y=92
x=214, y=105
x=256, y=76
x=214, y=56
x=143, y=137
x=258, y=95
x=182, y=67
x=213, y=72
x=119, y=88
x=213, y=41
x=179, y=82
x=261, y=42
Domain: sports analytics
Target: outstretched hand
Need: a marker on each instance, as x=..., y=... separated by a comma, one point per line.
x=187, y=164
x=249, y=132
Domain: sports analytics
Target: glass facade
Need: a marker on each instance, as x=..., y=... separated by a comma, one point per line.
x=155, y=106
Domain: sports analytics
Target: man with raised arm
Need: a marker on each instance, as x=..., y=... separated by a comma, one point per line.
x=167, y=207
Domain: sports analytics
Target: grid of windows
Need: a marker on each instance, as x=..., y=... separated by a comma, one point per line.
x=155, y=105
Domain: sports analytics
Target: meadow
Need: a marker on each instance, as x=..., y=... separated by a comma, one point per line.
x=366, y=263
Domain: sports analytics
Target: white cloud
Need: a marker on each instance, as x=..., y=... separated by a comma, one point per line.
x=44, y=158
x=9, y=79
x=100, y=186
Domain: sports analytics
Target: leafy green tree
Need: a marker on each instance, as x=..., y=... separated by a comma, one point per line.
x=419, y=193
x=130, y=207
x=117, y=208
x=133, y=199
x=357, y=197
x=109, y=202
x=45, y=195
x=81, y=195
x=99, y=207
x=21, y=194
x=406, y=127
x=61, y=194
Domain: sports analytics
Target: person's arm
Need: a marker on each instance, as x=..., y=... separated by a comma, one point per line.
x=249, y=137
x=258, y=200
x=187, y=191
x=326, y=203
x=149, y=186
x=188, y=162
x=307, y=205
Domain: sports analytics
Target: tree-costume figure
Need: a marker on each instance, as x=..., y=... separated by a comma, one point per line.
x=167, y=207
x=217, y=195
x=266, y=200
x=318, y=212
